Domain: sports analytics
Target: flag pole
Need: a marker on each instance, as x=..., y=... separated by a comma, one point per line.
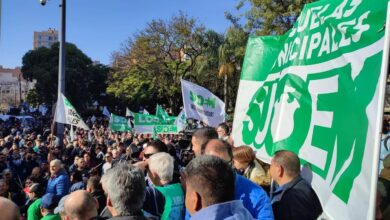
x=379, y=119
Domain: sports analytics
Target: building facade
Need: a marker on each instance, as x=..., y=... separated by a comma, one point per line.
x=13, y=87
x=45, y=38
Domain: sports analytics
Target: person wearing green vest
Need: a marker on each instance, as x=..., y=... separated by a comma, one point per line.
x=48, y=203
x=34, y=193
x=160, y=173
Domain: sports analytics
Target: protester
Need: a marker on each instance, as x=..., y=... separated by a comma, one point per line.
x=161, y=166
x=4, y=192
x=94, y=187
x=210, y=190
x=9, y=210
x=253, y=197
x=246, y=163
x=58, y=183
x=48, y=203
x=384, y=185
x=125, y=187
x=76, y=179
x=80, y=205
x=32, y=206
x=154, y=147
x=223, y=131
x=293, y=198
x=108, y=164
x=201, y=136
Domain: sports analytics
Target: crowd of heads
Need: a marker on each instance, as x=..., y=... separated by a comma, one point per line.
x=101, y=174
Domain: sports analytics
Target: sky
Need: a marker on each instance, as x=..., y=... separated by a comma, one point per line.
x=97, y=27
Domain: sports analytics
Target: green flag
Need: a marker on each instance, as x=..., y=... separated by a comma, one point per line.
x=161, y=113
x=119, y=123
x=314, y=91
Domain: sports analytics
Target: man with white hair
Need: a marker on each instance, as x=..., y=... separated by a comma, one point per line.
x=58, y=183
x=125, y=188
x=161, y=174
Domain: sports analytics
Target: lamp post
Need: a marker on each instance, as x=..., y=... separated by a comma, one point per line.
x=61, y=66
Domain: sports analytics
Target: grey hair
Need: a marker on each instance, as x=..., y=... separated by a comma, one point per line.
x=57, y=162
x=125, y=186
x=162, y=163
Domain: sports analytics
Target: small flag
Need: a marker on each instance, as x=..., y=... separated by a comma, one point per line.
x=106, y=112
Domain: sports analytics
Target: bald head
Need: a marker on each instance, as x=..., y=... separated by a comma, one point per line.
x=8, y=209
x=218, y=148
x=80, y=205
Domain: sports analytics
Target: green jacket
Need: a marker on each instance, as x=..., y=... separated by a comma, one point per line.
x=34, y=210
x=51, y=217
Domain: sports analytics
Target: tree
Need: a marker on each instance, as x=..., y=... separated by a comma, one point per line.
x=231, y=55
x=152, y=63
x=206, y=70
x=267, y=17
x=84, y=81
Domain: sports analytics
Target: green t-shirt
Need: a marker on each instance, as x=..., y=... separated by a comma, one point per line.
x=34, y=211
x=51, y=217
x=174, y=201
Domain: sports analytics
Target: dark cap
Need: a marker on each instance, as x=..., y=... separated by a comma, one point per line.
x=49, y=201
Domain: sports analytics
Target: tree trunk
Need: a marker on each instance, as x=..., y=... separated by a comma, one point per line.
x=225, y=92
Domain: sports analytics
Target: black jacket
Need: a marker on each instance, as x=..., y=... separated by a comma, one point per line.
x=296, y=200
x=101, y=198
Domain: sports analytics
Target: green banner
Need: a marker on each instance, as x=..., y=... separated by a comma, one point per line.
x=119, y=123
x=314, y=91
x=150, y=124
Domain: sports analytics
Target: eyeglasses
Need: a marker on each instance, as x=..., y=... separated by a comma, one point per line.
x=147, y=156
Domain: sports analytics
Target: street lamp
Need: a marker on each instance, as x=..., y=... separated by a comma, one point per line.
x=61, y=66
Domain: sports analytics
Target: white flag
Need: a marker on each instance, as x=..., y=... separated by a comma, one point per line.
x=181, y=121
x=72, y=136
x=106, y=112
x=129, y=113
x=201, y=104
x=145, y=112
x=67, y=114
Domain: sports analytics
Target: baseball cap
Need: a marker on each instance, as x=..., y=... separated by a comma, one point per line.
x=49, y=201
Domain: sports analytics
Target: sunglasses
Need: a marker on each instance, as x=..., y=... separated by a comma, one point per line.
x=147, y=156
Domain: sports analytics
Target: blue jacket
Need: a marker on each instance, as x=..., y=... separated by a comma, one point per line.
x=232, y=210
x=254, y=198
x=59, y=185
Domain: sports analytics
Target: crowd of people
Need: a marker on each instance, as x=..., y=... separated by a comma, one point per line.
x=101, y=174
